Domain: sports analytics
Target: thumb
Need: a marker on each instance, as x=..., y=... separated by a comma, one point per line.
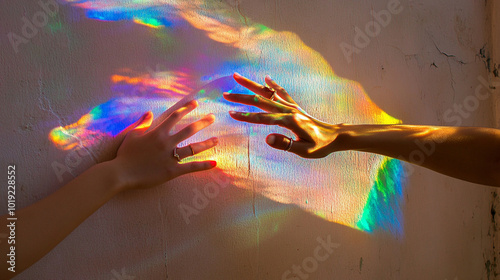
x=112, y=146
x=140, y=125
x=278, y=141
x=143, y=123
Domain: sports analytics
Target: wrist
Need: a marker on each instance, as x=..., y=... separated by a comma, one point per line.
x=114, y=178
x=343, y=138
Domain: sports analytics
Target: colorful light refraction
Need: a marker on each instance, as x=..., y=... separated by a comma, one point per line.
x=360, y=190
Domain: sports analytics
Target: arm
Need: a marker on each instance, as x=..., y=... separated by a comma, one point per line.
x=143, y=160
x=467, y=153
x=41, y=226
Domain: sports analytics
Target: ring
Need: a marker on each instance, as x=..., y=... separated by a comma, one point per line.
x=289, y=145
x=271, y=90
x=272, y=98
x=176, y=155
x=192, y=151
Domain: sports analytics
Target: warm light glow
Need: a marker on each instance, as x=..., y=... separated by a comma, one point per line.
x=360, y=190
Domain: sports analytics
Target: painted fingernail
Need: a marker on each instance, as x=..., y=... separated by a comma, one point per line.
x=213, y=163
x=269, y=77
x=232, y=112
x=271, y=139
x=225, y=93
x=237, y=74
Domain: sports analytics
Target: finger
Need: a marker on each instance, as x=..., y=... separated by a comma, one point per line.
x=176, y=116
x=196, y=166
x=141, y=125
x=193, y=128
x=280, y=119
x=257, y=101
x=196, y=148
x=145, y=122
x=281, y=142
x=269, y=93
x=281, y=92
x=253, y=86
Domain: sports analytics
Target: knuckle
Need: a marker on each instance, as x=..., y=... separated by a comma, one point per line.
x=257, y=98
x=191, y=129
x=195, y=166
x=175, y=114
x=295, y=112
x=281, y=122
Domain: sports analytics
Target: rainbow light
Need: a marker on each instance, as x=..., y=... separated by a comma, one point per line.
x=359, y=190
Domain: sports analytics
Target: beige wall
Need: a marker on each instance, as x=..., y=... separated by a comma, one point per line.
x=428, y=59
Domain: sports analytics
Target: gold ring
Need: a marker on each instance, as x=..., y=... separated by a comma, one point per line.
x=271, y=90
x=289, y=144
x=273, y=97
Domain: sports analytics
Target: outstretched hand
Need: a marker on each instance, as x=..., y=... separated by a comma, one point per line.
x=146, y=156
x=314, y=138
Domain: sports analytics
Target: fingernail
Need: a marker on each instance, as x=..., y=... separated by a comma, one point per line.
x=145, y=120
x=215, y=140
x=269, y=77
x=213, y=163
x=192, y=103
x=271, y=139
x=232, y=112
x=148, y=115
x=210, y=116
x=237, y=74
x=225, y=93
x=145, y=116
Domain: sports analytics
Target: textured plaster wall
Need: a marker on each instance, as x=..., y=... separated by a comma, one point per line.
x=425, y=61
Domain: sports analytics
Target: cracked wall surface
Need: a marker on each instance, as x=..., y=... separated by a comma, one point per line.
x=421, y=68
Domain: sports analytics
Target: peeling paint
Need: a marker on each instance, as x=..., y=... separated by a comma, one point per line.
x=491, y=263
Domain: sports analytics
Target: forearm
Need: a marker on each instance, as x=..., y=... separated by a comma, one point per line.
x=41, y=226
x=467, y=153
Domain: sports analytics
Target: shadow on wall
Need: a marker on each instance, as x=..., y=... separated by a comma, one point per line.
x=153, y=56
x=262, y=210
x=204, y=43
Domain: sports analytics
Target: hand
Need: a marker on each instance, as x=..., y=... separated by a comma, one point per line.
x=146, y=158
x=314, y=138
